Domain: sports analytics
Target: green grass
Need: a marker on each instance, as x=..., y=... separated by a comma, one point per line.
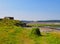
x=11, y=34
x=19, y=35
x=42, y=25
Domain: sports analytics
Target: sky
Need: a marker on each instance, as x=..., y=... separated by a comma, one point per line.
x=30, y=9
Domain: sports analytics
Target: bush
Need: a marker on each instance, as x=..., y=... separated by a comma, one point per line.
x=36, y=32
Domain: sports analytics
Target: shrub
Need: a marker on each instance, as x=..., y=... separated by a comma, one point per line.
x=35, y=32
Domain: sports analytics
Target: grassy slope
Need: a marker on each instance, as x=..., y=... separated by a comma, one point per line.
x=10, y=34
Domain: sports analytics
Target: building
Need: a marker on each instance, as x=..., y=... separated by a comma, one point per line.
x=12, y=18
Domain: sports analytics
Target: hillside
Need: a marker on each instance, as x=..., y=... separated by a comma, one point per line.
x=11, y=22
x=13, y=32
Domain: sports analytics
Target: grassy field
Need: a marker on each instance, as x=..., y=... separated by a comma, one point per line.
x=42, y=25
x=19, y=35
x=10, y=34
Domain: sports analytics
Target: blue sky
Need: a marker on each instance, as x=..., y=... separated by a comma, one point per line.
x=31, y=9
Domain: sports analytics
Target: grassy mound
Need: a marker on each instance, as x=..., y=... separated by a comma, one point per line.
x=9, y=22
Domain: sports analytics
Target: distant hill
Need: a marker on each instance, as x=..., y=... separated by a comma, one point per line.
x=25, y=21
x=50, y=21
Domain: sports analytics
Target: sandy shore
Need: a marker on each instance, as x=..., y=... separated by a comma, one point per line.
x=45, y=29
